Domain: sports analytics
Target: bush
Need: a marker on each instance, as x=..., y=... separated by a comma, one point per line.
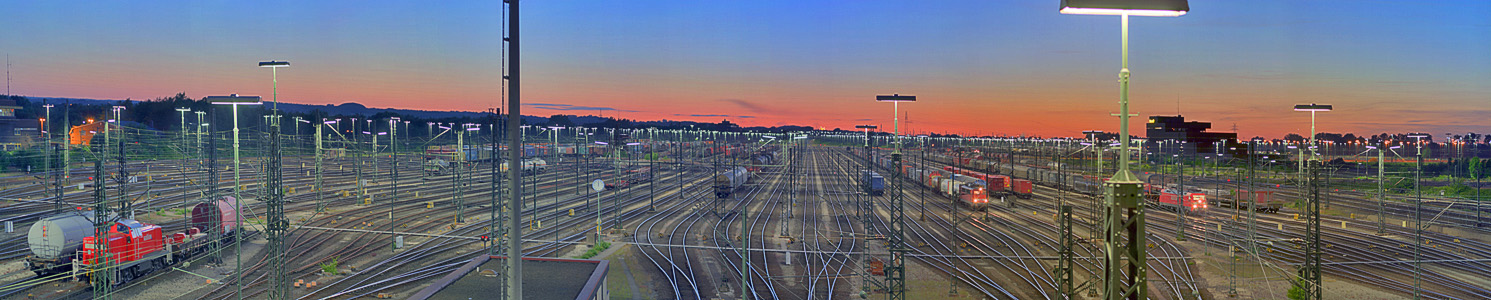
x=329, y=267
x=595, y=250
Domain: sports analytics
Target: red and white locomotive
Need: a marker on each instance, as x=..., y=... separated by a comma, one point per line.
x=1174, y=198
x=69, y=242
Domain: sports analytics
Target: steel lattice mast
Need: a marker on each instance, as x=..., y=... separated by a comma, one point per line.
x=100, y=274
x=215, y=232
x=1125, y=269
x=895, y=271
x=276, y=227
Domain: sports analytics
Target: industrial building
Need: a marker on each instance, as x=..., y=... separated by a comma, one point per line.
x=1174, y=135
x=15, y=133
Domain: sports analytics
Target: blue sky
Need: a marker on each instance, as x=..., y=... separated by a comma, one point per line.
x=1010, y=67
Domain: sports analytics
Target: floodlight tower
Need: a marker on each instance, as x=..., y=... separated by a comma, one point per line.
x=116, y=119
x=1418, y=220
x=1310, y=278
x=895, y=273
x=57, y=180
x=865, y=207
x=276, y=226
x=1125, y=269
x=235, y=101
x=1381, y=198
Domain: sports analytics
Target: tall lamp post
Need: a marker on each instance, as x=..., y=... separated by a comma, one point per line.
x=235, y=101
x=1381, y=197
x=1312, y=108
x=895, y=273
x=1310, y=278
x=116, y=120
x=864, y=205
x=1418, y=221
x=274, y=67
x=1125, y=270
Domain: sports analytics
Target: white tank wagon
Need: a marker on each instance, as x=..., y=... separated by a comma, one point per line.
x=54, y=240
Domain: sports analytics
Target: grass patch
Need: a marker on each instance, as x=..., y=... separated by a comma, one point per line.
x=595, y=250
x=330, y=267
x=616, y=281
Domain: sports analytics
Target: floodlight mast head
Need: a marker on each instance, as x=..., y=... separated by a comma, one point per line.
x=274, y=64
x=867, y=132
x=1148, y=8
x=1312, y=107
x=895, y=98
x=235, y=99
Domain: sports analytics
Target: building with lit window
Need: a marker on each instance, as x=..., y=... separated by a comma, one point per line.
x=15, y=133
x=1174, y=135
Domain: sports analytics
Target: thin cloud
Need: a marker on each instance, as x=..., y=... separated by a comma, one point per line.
x=753, y=107
x=558, y=106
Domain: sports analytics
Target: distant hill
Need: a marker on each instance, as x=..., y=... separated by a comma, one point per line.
x=339, y=109
x=359, y=109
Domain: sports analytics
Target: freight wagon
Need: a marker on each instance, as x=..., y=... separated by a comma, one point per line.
x=727, y=181
x=872, y=183
x=1262, y=201
x=69, y=242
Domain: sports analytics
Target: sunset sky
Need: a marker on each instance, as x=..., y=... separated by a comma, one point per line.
x=977, y=66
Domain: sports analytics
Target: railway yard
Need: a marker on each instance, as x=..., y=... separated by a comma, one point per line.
x=803, y=219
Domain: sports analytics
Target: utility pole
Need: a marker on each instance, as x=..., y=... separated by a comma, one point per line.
x=1381, y=197
x=651, y=166
x=66, y=141
x=320, y=196
x=393, y=150
x=925, y=166
x=457, y=167
x=515, y=232
x=57, y=204
x=1180, y=214
x=361, y=190
x=214, y=233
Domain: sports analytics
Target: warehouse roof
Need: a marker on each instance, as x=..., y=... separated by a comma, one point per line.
x=543, y=278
